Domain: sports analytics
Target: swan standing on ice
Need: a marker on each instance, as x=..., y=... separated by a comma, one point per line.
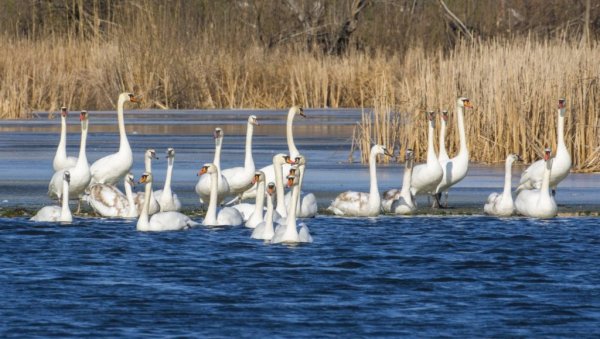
x=108, y=201
x=307, y=204
x=227, y=216
x=239, y=179
x=79, y=175
x=401, y=201
x=57, y=213
x=561, y=164
x=61, y=161
x=203, y=187
x=360, y=204
x=455, y=169
x=538, y=203
x=111, y=168
x=288, y=232
x=443, y=154
x=265, y=230
x=502, y=205
x=161, y=221
x=140, y=197
x=168, y=200
x=257, y=214
x=425, y=177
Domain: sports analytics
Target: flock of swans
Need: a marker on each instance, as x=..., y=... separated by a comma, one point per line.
x=159, y=210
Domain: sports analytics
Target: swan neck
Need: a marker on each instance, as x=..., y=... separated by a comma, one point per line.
x=142, y=223
x=279, y=188
x=408, y=169
x=507, y=179
x=291, y=217
x=290, y=135
x=65, y=213
x=124, y=143
x=260, y=198
x=431, y=156
x=374, y=198
x=211, y=212
x=269, y=215
x=461, y=130
x=167, y=187
x=217, y=159
x=248, y=161
x=129, y=194
x=442, y=150
x=61, y=150
x=560, y=129
x=546, y=179
x=82, y=154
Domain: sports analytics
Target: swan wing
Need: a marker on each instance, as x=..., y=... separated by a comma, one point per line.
x=107, y=200
x=229, y=216
x=111, y=168
x=238, y=178
x=309, y=207
x=349, y=203
x=170, y=221
x=263, y=231
x=532, y=176
x=47, y=213
x=245, y=209
x=304, y=233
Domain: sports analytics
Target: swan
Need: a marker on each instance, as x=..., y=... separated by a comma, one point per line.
x=240, y=178
x=56, y=213
x=257, y=215
x=140, y=197
x=502, y=204
x=265, y=230
x=401, y=201
x=561, y=164
x=538, y=203
x=167, y=200
x=443, y=154
x=362, y=204
x=269, y=170
x=307, y=204
x=111, y=168
x=288, y=232
x=203, y=187
x=108, y=201
x=80, y=174
x=161, y=221
x=455, y=169
x=61, y=161
x=425, y=177
x=227, y=216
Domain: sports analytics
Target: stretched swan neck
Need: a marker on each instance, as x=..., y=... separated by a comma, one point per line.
x=443, y=125
x=129, y=194
x=260, y=198
x=461, y=130
x=431, y=156
x=560, y=129
x=62, y=143
x=290, y=134
x=291, y=217
x=211, y=212
x=408, y=169
x=546, y=179
x=124, y=143
x=269, y=215
x=248, y=161
x=507, y=178
x=217, y=159
x=143, y=220
x=374, y=190
x=167, y=188
x=279, y=188
x=65, y=213
x=82, y=154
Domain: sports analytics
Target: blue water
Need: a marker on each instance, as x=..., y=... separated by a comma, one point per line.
x=419, y=276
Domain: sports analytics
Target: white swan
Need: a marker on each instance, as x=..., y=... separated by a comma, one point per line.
x=401, y=201
x=161, y=221
x=502, y=205
x=455, y=169
x=425, y=177
x=61, y=161
x=307, y=204
x=265, y=229
x=111, y=168
x=561, y=164
x=227, y=216
x=140, y=197
x=80, y=174
x=269, y=170
x=203, y=187
x=239, y=179
x=443, y=154
x=108, y=201
x=538, y=203
x=362, y=204
x=56, y=213
x=288, y=232
x=168, y=200
x=257, y=215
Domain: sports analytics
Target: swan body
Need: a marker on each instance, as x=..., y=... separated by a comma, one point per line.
x=269, y=170
x=140, y=197
x=111, y=168
x=239, y=179
x=56, y=213
x=455, y=169
x=307, y=203
x=245, y=209
x=108, y=201
x=161, y=221
x=61, y=161
x=203, y=187
x=167, y=200
x=538, y=203
x=79, y=175
x=265, y=229
x=502, y=205
x=288, y=232
x=257, y=215
x=361, y=204
x=227, y=216
x=561, y=164
x=401, y=201
x=425, y=177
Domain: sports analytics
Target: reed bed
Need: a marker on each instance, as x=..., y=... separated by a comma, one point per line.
x=513, y=85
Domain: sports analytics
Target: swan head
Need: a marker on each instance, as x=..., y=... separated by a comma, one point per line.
x=562, y=103
x=64, y=112
x=281, y=159
x=130, y=179
x=409, y=154
x=464, y=102
x=252, y=120
x=547, y=153
x=297, y=110
x=444, y=114
x=146, y=178
x=209, y=168
x=259, y=176
x=300, y=160
x=271, y=188
x=170, y=152
x=83, y=116
x=151, y=154
x=67, y=176
x=380, y=149
x=218, y=133
x=126, y=96
x=292, y=180
x=430, y=115
x=514, y=157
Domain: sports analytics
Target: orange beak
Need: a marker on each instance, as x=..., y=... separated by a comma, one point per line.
x=468, y=104
x=202, y=171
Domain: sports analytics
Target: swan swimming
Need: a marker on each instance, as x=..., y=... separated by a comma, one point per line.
x=203, y=187
x=61, y=161
x=108, y=201
x=167, y=200
x=227, y=216
x=538, y=203
x=140, y=197
x=265, y=230
x=401, y=201
x=57, y=213
x=239, y=179
x=307, y=204
x=502, y=205
x=257, y=214
x=288, y=232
